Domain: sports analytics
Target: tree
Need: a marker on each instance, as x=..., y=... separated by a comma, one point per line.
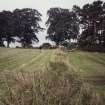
x=92, y=19
x=27, y=25
x=21, y=23
x=6, y=27
x=62, y=25
x=46, y=45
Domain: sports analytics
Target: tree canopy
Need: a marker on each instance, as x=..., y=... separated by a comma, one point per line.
x=6, y=27
x=92, y=21
x=27, y=25
x=62, y=25
x=21, y=23
x=86, y=24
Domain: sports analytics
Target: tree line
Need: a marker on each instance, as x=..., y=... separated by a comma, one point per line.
x=85, y=24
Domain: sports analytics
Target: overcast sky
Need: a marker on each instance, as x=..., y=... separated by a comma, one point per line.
x=42, y=6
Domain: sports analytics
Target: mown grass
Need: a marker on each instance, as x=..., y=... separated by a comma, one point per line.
x=23, y=59
x=58, y=84
x=51, y=77
x=88, y=63
x=90, y=66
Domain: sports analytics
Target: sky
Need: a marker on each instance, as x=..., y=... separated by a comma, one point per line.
x=42, y=6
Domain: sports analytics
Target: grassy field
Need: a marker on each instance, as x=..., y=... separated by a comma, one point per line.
x=90, y=67
x=23, y=59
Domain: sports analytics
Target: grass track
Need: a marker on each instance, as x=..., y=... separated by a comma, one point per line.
x=90, y=66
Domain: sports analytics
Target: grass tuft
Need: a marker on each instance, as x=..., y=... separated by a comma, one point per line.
x=51, y=87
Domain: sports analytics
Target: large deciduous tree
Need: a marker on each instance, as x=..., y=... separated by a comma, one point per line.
x=21, y=23
x=27, y=25
x=62, y=25
x=92, y=20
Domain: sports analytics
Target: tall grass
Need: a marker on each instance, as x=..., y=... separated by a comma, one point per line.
x=56, y=85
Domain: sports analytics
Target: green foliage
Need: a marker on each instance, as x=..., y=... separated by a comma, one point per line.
x=27, y=25
x=62, y=25
x=46, y=46
x=21, y=23
x=6, y=27
x=92, y=20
